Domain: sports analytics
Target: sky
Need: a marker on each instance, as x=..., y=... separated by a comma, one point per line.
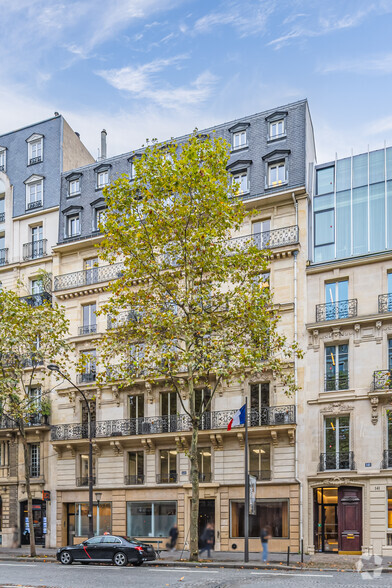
x=161, y=68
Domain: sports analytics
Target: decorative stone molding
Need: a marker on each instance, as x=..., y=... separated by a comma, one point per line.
x=315, y=341
x=274, y=436
x=260, y=377
x=374, y=403
x=71, y=448
x=185, y=443
x=150, y=395
x=337, y=408
x=149, y=445
x=96, y=449
x=116, y=394
x=378, y=332
x=217, y=442
x=117, y=447
x=291, y=434
x=241, y=440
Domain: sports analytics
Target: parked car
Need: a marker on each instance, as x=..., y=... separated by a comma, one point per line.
x=148, y=549
x=107, y=549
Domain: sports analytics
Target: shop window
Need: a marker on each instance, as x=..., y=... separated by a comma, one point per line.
x=273, y=514
x=150, y=519
x=102, y=520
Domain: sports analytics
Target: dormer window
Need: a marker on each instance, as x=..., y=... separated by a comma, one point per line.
x=239, y=139
x=239, y=135
x=276, y=125
x=276, y=129
x=241, y=180
x=98, y=209
x=35, y=149
x=34, y=192
x=2, y=159
x=276, y=173
x=240, y=171
x=132, y=161
x=72, y=221
x=102, y=175
x=74, y=187
x=276, y=167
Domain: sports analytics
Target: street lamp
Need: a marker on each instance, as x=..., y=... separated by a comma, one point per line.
x=98, y=496
x=55, y=368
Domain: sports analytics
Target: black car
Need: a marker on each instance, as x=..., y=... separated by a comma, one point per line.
x=106, y=549
x=148, y=549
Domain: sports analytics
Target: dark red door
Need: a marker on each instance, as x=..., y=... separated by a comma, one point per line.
x=350, y=519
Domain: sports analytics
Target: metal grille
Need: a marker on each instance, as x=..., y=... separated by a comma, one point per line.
x=86, y=377
x=34, y=160
x=167, y=478
x=89, y=276
x=133, y=480
x=2, y=216
x=271, y=239
x=336, y=310
x=34, y=204
x=87, y=329
x=121, y=319
x=385, y=302
x=261, y=474
x=337, y=461
x=83, y=481
x=382, y=380
x=34, y=249
x=3, y=256
x=37, y=299
x=338, y=381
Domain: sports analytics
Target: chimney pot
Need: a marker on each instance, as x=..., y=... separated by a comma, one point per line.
x=103, y=144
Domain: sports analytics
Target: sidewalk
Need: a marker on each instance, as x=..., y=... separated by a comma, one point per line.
x=319, y=561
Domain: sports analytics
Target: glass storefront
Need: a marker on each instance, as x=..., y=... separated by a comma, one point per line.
x=102, y=517
x=273, y=514
x=150, y=519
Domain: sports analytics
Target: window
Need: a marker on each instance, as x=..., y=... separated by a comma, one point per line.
x=270, y=513
x=34, y=195
x=136, y=406
x=74, y=187
x=242, y=182
x=37, y=243
x=260, y=461
x=259, y=403
x=34, y=450
x=276, y=174
x=168, y=402
x=388, y=452
x=150, y=519
x=73, y=225
x=336, y=367
x=337, y=444
x=99, y=218
x=2, y=160
x=2, y=210
x=4, y=454
x=325, y=180
x=204, y=461
x=390, y=355
x=168, y=466
x=83, y=469
x=35, y=399
x=135, y=468
x=102, y=519
x=102, y=179
x=35, y=151
x=89, y=319
x=336, y=298
x=261, y=233
x=89, y=365
x=91, y=270
x=239, y=139
x=276, y=129
x=36, y=286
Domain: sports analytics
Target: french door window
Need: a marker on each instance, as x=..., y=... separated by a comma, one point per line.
x=337, y=443
x=336, y=367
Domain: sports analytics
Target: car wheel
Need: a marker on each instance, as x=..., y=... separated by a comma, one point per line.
x=66, y=558
x=120, y=559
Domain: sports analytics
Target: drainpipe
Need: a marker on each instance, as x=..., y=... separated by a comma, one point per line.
x=296, y=374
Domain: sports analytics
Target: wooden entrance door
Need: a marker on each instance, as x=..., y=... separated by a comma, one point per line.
x=350, y=519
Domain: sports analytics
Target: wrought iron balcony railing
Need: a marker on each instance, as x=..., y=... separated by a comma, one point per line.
x=34, y=249
x=87, y=330
x=2, y=167
x=2, y=216
x=167, y=478
x=34, y=160
x=4, y=256
x=271, y=239
x=387, y=459
x=343, y=460
x=274, y=415
x=261, y=475
x=34, y=204
x=339, y=381
x=332, y=311
x=382, y=380
x=133, y=480
x=7, y=423
x=205, y=477
x=385, y=302
x=121, y=319
x=33, y=420
x=37, y=299
x=83, y=481
x=87, y=277
x=87, y=377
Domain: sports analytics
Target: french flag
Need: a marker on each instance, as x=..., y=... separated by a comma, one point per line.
x=238, y=419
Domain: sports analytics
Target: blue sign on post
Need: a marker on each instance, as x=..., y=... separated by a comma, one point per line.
x=44, y=525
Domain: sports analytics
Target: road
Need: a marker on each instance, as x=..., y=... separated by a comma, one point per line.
x=51, y=575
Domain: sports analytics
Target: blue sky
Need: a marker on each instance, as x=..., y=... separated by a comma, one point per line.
x=159, y=68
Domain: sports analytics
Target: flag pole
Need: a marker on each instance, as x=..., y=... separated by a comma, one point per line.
x=246, y=522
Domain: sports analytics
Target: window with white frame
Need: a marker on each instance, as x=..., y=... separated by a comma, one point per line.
x=74, y=187
x=73, y=225
x=239, y=139
x=35, y=469
x=35, y=150
x=99, y=218
x=276, y=129
x=2, y=160
x=276, y=173
x=36, y=286
x=241, y=179
x=102, y=179
x=34, y=194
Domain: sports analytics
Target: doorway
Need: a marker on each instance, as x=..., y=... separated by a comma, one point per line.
x=40, y=522
x=206, y=514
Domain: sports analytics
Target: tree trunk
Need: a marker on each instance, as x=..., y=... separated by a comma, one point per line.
x=26, y=456
x=194, y=528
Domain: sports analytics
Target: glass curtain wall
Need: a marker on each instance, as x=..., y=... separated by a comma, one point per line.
x=352, y=206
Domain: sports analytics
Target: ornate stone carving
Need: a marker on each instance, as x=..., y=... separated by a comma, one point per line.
x=241, y=440
x=378, y=332
x=260, y=377
x=290, y=433
x=150, y=395
x=316, y=342
x=337, y=408
x=116, y=394
x=374, y=403
x=117, y=447
x=274, y=436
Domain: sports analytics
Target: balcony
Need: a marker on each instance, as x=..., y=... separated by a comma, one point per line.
x=338, y=381
x=385, y=303
x=88, y=277
x=83, y=481
x=121, y=319
x=2, y=217
x=34, y=204
x=262, y=475
x=3, y=256
x=167, y=478
x=87, y=377
x=387, y=460
x=268, y=416
x=270, y=239
x=336, y=461
x=133, y=480
x=35, y=300
x=34, y=160
x=34, y=249
x=382, y=380
x=87, y=330
x=33, y=420
x=205, y=477
x=332, y=311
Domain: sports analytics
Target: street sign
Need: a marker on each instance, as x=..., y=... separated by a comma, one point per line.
x=45, y=494
x=252, y=494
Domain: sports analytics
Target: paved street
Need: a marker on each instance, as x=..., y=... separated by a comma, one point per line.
x=51, y=575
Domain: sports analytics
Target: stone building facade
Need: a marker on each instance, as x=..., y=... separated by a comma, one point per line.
x=141, y=470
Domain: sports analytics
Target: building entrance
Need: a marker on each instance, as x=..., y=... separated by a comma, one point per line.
x=206, y=514
x=338, y=520
x=40, y=522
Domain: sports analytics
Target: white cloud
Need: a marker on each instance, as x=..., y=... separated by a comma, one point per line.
x=366, y=65
x=380, y=126
x=247, y=17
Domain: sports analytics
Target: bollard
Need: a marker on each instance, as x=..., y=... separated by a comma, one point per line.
x=288, y=555
x=302, y=551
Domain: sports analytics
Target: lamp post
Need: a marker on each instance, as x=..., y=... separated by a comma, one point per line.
x=55, y=368
x=98, y=496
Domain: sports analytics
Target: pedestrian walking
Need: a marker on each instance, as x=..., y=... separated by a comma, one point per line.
x=264, y=536
x=173, y=534
x=208, y=539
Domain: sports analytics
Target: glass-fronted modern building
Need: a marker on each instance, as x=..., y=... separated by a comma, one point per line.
x=352, y=206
